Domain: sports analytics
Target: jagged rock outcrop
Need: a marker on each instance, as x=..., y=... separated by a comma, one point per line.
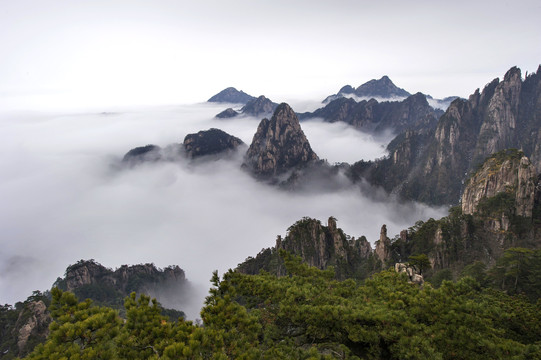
x=507, y=173
x=24, y=326
x=231, y=95
x=383, y=246
x=33, y=321
x=506, y=114
x=413, y=275
x=413, y=113
x=89, y=272
x=259, y=106
x=89, y=279
x=318, y=245
x=210, y=142
x=279, y=145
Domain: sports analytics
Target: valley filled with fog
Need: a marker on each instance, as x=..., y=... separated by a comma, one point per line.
x=66, y=197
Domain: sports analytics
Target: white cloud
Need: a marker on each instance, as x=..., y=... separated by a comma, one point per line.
x=63, y=200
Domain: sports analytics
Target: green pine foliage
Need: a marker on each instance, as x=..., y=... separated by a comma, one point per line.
x=307, y=314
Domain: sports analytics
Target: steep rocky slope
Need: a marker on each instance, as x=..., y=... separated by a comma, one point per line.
x=500, y=210
x=507, y=172
x=89, y=279
x=506, y=114
x=320, y=246
x=279, y=145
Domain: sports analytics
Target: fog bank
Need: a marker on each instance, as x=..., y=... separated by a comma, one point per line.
x=65, y=198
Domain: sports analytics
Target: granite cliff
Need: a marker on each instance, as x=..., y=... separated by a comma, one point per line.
x=506, y=114
x=89, y=279
x=318, y=245
x=279, y=145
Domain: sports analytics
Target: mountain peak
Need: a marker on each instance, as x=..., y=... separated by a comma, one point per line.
x=231, y=95
x=383, y=88
x=279, y=145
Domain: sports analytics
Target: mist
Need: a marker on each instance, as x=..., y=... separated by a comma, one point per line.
x=66, y=198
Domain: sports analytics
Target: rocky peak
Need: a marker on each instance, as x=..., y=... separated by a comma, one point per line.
x=279, y=145
x=498, y=130
x=383, y=245
x=231, y=95
x=259, y=106
x=318, y=245
x=210, y=142
x=507, y=174
x=348, y=89
x=85, y=276
x=383, y=88
x=84, y=273
x=227, y=114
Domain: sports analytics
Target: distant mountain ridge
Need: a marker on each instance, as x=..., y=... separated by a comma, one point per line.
x=382, y=88
x=260, y=106
x=414, y=112
x=231, y=95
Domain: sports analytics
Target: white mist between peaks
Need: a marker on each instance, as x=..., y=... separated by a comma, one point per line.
x=66, y=199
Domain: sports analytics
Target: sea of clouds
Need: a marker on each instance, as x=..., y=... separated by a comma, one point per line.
x=65, y=196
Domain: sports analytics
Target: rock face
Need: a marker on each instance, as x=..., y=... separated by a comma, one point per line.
x=24, y=326
x=318, y=245
x=89, y=279
x=231, y=95
x=505, y=115
x=383, y=245
x=279, y=145
x=259, y=106
x=413, y=113
x=411, y=272
x=506, y=173
x=210, y=142
x=36, y=324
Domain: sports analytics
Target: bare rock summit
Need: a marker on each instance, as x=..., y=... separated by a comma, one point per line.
x=279, y=145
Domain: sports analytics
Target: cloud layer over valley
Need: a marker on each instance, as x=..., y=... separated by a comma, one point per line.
x=65, y=198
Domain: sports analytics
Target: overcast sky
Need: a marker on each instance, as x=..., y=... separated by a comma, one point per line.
x=170, y=51
x=64, y=199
